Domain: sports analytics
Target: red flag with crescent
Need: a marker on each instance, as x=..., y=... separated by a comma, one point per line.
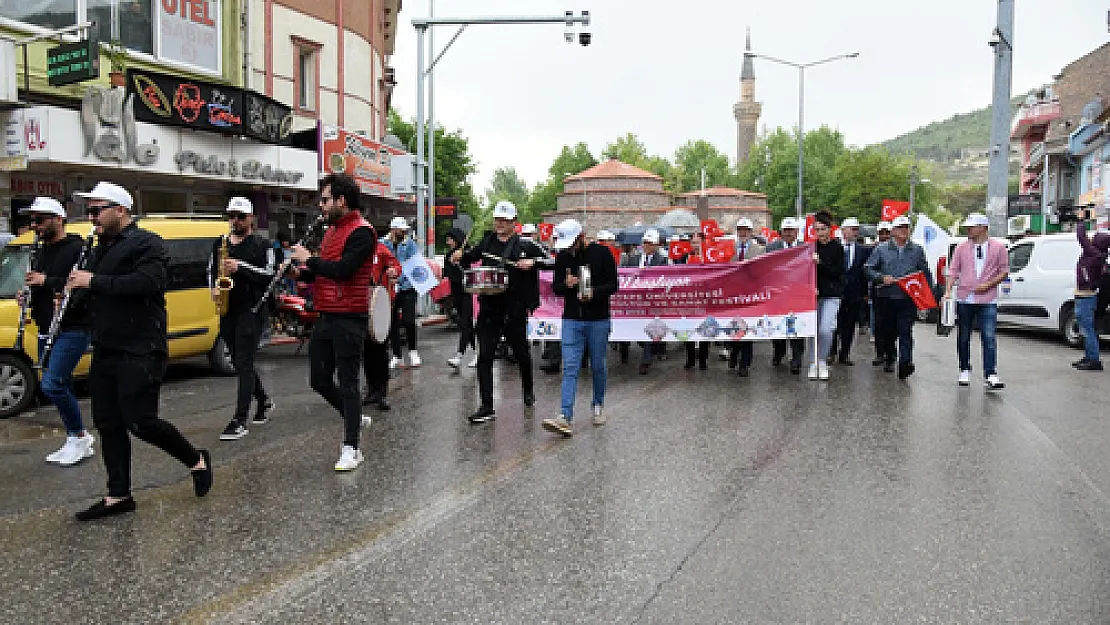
x=678, y=249
x=765, y=232
x=710, y=228
x=720, y=251
x=807, y=234
x=917, y=287
x=518, y=228
x=546, y=230
x=893, y=209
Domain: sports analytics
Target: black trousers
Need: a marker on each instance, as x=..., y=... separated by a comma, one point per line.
x=797, y=350
x=492, y=323
x=404, y=315
x=894, y=335
x=124, y=389
x=740, y=353
x=336, y=349
x=847, y=320
x=375, y=364
x=464, y=306
x=702, y=353
x=241, y=332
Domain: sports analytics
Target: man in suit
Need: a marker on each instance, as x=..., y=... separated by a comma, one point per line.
x=740, y=352
x=855, y=289
x=789, y=231
x=652, y=256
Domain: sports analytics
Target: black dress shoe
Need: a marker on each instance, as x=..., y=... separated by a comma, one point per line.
x=905, y=370
x=202, y=478
x=846, y=362
x=100, y=509
x=743, y=372
x=529, y=399
x=795, y=368
x=1079, y=362
x=888, y=367
x=1090, y=365
x=483, y=414
x=371, y=398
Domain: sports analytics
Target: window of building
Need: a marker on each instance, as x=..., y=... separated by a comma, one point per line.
x=306, y=79
x=128, y=21
x=49, y=14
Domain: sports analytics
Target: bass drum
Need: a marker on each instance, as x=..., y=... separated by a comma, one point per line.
x=381, y=314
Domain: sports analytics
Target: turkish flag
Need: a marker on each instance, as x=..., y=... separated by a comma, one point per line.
x=678, y=249
x=519, y=228
x=720, y=251
x=917, y=287
x=710, y=228
x=546, y=230
x=695, y=259
x=808, y=235
x=765, y=232
x=893, y=209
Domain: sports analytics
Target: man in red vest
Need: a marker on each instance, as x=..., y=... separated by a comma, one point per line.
x=342, y=274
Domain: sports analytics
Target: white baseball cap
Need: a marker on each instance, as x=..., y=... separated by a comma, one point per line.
x=108, y=192
x=47, y=206
x=566, y=233
x=528, y=229
x=883, y=225
x=976, y=219
x=850, y=222
x=900, y=221
x=398, y=223
x=789, y=223
x=744, y=222
x=605, y=235
x=240, y=205
x=504, y=210
x=651, y=236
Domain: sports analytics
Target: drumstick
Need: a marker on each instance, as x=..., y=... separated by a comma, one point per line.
x=496, y=257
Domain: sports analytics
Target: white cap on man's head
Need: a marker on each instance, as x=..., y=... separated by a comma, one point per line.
x=850, y=222
x=240, y=205
x=47, y=206
x=651, y=236
x=107, y=192
x=605, y=235
x=976, y=219
x=398, y=223
x=789, y=223
x=566, y=233
x=744, y=222
x=883, y=225
x=504, y=210
x=528, y=229
x=900, y=221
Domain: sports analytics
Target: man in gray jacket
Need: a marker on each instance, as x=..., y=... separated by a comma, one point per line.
x=740, y=352
x=895, y=311
x=652, y=256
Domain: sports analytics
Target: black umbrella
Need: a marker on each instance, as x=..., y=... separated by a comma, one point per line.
x=634, y=235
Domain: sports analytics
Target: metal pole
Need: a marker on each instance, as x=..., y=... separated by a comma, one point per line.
x=999, y=172
x=431, y=140
x=799, y=204
x=421, y=220
x=583, y=20
x=913, y=185
x=1044, y=193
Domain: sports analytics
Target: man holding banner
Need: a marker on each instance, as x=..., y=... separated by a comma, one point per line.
x=895, y=309
x=789, y=231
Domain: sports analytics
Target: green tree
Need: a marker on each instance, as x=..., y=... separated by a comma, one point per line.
x=454, y=163
x=627, y=149
x=690, y=159
x=506, y=184
x=571, y=160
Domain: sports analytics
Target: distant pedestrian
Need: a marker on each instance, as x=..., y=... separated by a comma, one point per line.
x=1089, y=270
x=978, y=266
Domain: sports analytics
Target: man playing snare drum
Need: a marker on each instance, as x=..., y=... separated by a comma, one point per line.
x=505, y=313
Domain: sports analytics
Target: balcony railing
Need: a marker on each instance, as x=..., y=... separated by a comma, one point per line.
x=1036, y=156
x=1033, y=115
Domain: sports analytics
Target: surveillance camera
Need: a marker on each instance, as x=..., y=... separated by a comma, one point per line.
x=584, y=38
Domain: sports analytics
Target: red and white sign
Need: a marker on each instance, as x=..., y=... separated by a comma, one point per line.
x=364, y=160
x=36, y=186
x=770, y=297
x=190, y=32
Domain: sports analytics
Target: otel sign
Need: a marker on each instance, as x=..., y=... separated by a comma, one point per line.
x=108, y=121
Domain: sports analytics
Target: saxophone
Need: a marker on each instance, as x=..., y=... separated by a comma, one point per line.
x=224, y=283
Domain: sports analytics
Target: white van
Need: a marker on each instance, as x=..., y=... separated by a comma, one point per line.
x=1040, y=291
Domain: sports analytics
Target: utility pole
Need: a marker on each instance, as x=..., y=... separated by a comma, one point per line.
x=1002, y=40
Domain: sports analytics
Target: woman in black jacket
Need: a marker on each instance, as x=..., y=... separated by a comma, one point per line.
x=829, y=256
x=464, y=302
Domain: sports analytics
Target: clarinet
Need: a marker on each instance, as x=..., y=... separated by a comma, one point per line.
x=67, y=295
x=285, y=266
x=25, y=294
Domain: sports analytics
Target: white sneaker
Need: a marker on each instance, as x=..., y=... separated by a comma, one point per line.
x=813, y=372
x=473, y=363
x=367, y=421
x=965, y=378
x=76, y=449
x=994, y=383
x=599, y=417
x=822, y=371
x=455, y=360
x=414, y=358
x=64, y=451
x=394, y=362
x=349, y=459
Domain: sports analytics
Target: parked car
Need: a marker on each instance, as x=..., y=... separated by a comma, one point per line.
x=1040, y=291
x=193, y=325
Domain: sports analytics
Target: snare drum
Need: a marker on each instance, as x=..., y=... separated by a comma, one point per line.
x=486, y=280
x=381, y=314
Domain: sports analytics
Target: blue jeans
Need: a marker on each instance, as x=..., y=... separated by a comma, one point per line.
x=576, y=336
x=57, y=376
x=988, y=321
x=827, y=308
x=1085, y=314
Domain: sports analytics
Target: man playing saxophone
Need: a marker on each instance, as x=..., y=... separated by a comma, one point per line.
x=239, y=270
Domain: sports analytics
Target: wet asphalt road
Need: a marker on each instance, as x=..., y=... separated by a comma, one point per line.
x=705, y=499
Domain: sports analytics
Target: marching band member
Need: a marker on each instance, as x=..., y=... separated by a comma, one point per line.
x=341, y=275
x=404, y=313
x=250, y=262
x=586, y=321
x=464, y=302
x=740, y=352
x=126, y=281
x=651, y=256
x=506, y=313
x=56, y=259
x=384, y=271
x=789, y=232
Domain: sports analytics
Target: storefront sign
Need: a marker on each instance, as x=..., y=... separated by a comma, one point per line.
x=190, y=32
x=172, y=100
x=250, y=169
x=108, y=121
x=366, y=161
x=447, y=207
x=31, y=185
x=73, y=62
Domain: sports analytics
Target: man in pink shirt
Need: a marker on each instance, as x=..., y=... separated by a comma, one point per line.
x=978, y=265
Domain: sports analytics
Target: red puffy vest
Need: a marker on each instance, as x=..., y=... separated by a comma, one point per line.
x=343, y=296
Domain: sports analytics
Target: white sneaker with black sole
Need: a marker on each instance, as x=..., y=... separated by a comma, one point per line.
x=456, y=360
x=349, y=459
x=965, y=378
x=994, y=383
x=233, y=432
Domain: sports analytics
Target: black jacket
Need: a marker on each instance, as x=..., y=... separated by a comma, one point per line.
x=855, y=282
x=129, y=292
x=603, y=275
x=56, y=261
x=830, y=268
x=523, y=293
x=256, y=270
x=451, y=271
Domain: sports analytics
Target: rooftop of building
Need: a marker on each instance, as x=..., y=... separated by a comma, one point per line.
x=612, y=168
x=719, y=191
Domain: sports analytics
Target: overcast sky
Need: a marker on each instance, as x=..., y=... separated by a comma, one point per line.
x=669, y=71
